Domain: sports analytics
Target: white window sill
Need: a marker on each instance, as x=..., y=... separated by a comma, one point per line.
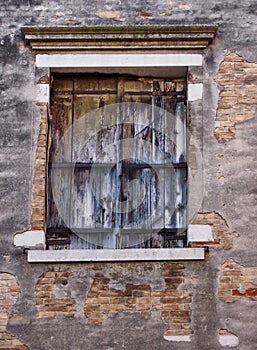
x=84, y=255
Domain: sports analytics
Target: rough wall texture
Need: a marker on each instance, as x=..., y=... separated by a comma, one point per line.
x=237, y=281
x=214, y=301
x=237, y=98
x=173, y=304
x=223, y=239
x=38, y=201
x=9, y=292
x=54, y=295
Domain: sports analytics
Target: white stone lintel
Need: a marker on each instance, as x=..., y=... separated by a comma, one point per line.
x=117, y=60
x=178, y=338
x=87, y=255
x=195, y=91
x=33, y=238
x=200, y=233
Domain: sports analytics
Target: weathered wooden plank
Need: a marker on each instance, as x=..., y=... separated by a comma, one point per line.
x=60, y=151
x=128, y=162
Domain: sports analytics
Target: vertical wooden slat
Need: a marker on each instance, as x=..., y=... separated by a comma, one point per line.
x=117, y=193
x=60, y=151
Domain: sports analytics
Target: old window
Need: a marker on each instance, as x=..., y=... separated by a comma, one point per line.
x=117, y=165
x=120, y=175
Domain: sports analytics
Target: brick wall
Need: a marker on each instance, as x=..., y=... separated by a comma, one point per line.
x=171, y=300
x=173, y=304
x=237, y=98
x=9, y=292
x=237, y=282
x=223, y=238
x=53, y=294
x=39, y=182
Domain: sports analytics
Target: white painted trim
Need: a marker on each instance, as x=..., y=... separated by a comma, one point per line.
x=33, y=238
x=200, y=233
x=195, y=92
x=178, y=338
x=117, y=60
x=43, y=93
x=84, y=255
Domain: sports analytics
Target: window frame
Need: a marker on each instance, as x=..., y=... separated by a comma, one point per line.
x=77, y=47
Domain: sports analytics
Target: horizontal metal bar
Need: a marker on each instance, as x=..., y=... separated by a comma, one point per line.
x=173, y=230
x=67, y=230
x=89, y=165
x=84, y=92
x=175, y=238
x=168, y=233
x=56, y=241
x=180, y=165
x=174, y=94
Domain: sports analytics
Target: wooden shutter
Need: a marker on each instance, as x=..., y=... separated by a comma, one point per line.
x=122, y=178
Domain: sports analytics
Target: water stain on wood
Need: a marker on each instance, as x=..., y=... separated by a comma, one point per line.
x=123, y=185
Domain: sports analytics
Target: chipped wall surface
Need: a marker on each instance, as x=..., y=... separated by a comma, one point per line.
x=223, y=239
x=172, y=303
x=9, y=292
x=194, y=305
x=237, y=98
x=237, y=281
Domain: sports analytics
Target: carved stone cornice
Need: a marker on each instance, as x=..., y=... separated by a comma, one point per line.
x=108, y=38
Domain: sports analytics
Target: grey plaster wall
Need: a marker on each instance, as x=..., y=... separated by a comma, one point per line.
x=235, y=198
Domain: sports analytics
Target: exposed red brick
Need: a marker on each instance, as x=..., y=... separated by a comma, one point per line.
x=39, y=181
x=103, y=301
x=48, y=303
x=223, y=237
x=237, y=98
x=237, y=281
x=9, y=292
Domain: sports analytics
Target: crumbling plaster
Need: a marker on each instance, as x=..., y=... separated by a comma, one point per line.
x=229, y=173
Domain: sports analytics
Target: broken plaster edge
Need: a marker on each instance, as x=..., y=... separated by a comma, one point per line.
x=32, y=238
x=87, y=255
x=178, y=338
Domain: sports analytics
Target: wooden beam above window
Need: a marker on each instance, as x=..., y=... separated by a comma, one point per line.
x=108, y=38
